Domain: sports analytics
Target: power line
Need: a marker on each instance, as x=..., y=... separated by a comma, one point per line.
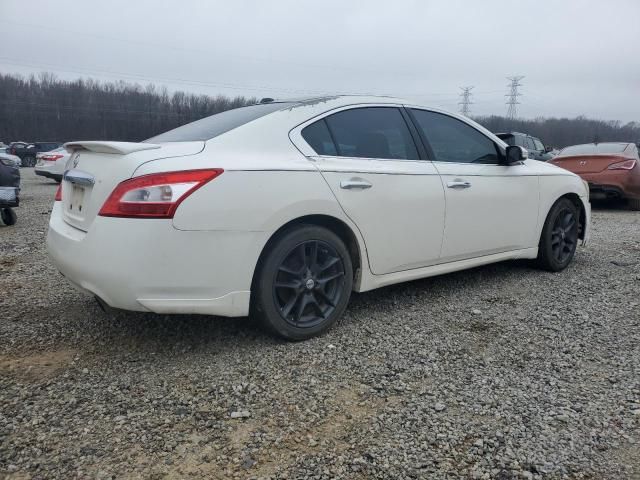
x=512, y=96
x=465, y=102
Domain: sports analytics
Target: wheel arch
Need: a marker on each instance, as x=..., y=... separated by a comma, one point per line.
x=335, y=225
x=582, y=212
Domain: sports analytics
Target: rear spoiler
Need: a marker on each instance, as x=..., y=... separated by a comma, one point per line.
x=122, y=148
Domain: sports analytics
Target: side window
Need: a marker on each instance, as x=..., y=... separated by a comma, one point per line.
x=529, y=144
x=538, y=144
x=454, y=141
x=372, y=132
x=520, y=141
x=318, y=137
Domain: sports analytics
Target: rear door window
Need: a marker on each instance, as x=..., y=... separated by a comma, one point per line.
x=318, y=137
x=372, y=132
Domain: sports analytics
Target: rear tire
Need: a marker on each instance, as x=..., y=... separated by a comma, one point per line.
x=304, y=282
x=9, y=217
x=634, y=204
x=559, y=237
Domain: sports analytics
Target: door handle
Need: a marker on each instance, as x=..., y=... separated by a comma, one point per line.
x=457, y=183
x=355, y=183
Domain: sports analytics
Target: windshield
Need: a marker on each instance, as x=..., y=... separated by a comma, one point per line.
x=210, y=127
x=594, y=149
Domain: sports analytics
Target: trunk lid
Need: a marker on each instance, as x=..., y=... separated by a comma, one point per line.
x=95, y=168
x=587, y=163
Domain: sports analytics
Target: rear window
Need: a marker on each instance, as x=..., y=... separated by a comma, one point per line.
x=594, y=149
x=210, y=127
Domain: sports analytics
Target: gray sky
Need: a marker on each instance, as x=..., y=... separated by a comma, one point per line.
x=579, y=57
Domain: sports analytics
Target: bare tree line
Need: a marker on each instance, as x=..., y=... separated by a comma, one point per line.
x=561, y=132
x=46, y=108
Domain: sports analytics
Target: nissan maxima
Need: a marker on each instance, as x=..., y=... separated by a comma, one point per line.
x=282, y=209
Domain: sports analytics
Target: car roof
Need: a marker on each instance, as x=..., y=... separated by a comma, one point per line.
x=600, y=143
x=513, y=134
x=337, y=99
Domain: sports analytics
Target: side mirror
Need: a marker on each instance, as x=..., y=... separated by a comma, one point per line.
x=547, y=149
x=516, y=154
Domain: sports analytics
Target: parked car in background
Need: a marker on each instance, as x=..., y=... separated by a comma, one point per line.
x=289, y=206
x=9, y=159
x=9, y=191
x=534, y=146
x=27, y=151
x=611, y=169
x=52, y=164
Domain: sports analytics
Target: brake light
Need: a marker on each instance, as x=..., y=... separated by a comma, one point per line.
x=51, y=158
x=156, y=195
x=58, y=197
x=626, y=165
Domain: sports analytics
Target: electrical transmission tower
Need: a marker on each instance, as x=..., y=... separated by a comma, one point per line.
x=512, y=96
x=465, y=101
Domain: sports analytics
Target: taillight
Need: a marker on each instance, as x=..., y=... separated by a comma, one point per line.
x=58, y=197
x=626, y=165
x=51, y=158
x=156, y=195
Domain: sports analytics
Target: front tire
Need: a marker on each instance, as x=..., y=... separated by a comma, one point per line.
x=559, y=237
x=304, y=282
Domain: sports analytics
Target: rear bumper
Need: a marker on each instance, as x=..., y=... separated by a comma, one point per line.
x=44, y=173
x=49, y=170
x=148, y=265
x=613, y=184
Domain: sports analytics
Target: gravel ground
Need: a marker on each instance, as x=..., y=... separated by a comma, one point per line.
x=501, y=372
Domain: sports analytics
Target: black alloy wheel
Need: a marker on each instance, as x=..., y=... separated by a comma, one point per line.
x=559, y=237
x=564, y=235
x=308, y=284
x=304, y=282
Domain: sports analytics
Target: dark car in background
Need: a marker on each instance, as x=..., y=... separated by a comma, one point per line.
x=9, y=190
x=534, y=146
x=612, y=169
x=28, y=151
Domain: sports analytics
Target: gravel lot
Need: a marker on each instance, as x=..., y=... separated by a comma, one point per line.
x=501, y=372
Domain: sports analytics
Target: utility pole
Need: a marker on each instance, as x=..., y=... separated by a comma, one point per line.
x=512, y=96
x=465, y=101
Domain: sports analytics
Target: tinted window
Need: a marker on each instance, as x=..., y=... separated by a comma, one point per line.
x=595, y=148
x=454, y=141
x=318, y=137
x=372, y=132
x=217, y=124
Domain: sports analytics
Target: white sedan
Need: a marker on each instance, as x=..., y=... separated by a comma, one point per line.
x=52, y=164
x=284, y=208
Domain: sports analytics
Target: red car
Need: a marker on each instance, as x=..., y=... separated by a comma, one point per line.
x=612, y=169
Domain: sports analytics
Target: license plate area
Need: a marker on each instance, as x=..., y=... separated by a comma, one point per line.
x=76, y=201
